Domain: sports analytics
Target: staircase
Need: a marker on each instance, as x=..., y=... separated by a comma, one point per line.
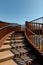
x=15, y=51
x=6, y=56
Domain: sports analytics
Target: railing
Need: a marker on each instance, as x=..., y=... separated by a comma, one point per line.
x=34, y=33
x=2, y=24
x=7, y=29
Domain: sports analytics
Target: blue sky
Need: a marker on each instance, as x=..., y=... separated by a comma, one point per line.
x=18, y=11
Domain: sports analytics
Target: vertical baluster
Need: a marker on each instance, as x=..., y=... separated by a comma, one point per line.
x=29, y=31
x=39, y=37
x=34, y=34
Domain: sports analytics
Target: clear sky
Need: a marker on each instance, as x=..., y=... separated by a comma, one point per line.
x=18, y=11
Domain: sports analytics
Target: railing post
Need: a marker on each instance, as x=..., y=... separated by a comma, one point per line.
x=41, y=42
x=42, y=37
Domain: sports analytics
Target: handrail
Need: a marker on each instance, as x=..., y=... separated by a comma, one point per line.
x=7, y=26
x=6, y=29
x=3, y=27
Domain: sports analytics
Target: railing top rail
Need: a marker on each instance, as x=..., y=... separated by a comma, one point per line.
x=37, y=21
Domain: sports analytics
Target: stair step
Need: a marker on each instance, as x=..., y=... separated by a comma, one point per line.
x=15, y=51
x=22, y=50
x=8, y=62
x=18, y=45
x=13, y=45
x=10, y=35
x=19, y=52
x=28, y=59
x=7, y=42
x=5, y=55
x=18, y=33
x=18, y=40
x=19, y=36
x=20, y=61
x=8, y=38
x=5, y=47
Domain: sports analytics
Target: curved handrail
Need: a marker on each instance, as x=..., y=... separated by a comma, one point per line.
x=4, y=31
x=8, y=28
